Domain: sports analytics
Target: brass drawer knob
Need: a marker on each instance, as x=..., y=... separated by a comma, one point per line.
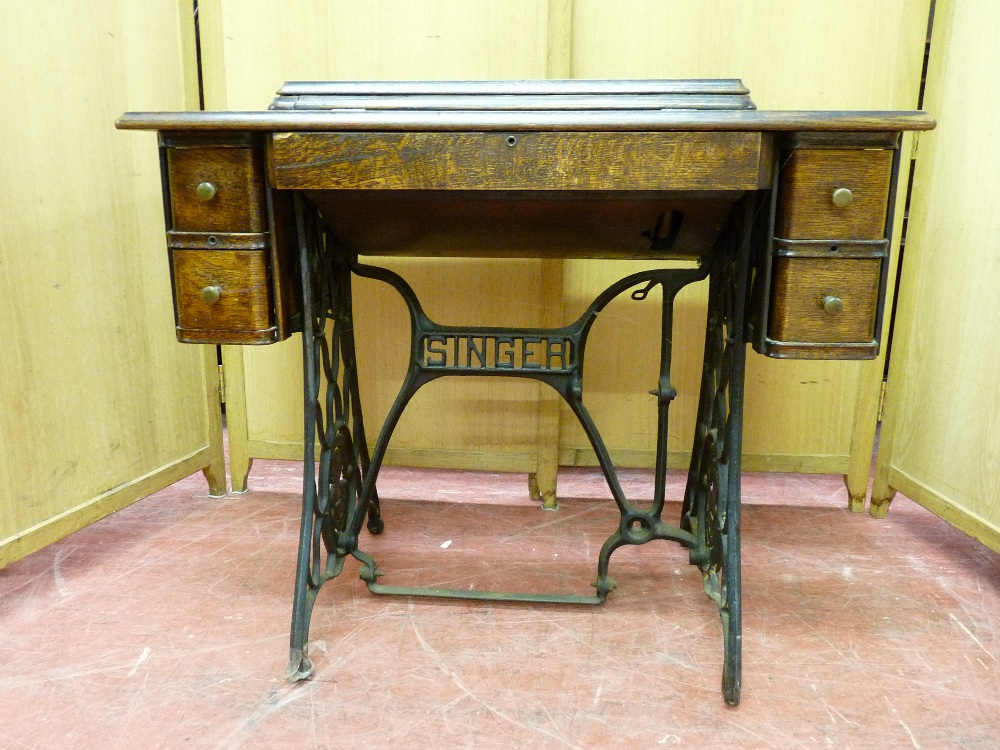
x=842, y=197
x=832, y=305
x=205, y=191
x=211, y=294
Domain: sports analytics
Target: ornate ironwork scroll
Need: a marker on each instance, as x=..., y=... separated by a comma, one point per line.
x=554, y=356
x=711, y=510
x=332, y=486
x=341, y=493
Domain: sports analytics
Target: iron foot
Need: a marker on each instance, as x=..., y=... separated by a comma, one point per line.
x=300, y=666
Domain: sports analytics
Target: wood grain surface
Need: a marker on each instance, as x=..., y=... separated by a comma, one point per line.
x=799, y=287
x=248, y=50
x=940, y=440
x=99, y=407
x=516, y=161
x=244, y=303
x=807, y=181
x=511, y=225
x=821, y=55
x=238, y=205
x=878, y=48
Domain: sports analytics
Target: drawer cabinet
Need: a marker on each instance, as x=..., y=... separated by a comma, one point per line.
x=819, y=278
x=231, y=241
x=820, y=285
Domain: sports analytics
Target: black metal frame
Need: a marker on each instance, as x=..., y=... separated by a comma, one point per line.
x=340, y=491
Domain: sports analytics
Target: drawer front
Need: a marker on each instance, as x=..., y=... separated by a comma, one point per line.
x=223, y=296
x=834, y=194
x=216, y=189
x=824, y=300
x=521, y=161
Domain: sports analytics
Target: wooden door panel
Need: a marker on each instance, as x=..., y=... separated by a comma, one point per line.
x=827, y=54
x=833, y=55
x=101, y=406
x=940, y=442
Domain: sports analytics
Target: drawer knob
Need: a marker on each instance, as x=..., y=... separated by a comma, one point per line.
x=211, y=294
x=842, y=197
x=832, y=305
x=206, y=191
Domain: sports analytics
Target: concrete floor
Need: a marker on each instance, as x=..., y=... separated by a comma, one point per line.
x=166, y=626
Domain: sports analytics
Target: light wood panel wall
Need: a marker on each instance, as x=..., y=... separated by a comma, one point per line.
x=99, y=405
x=482, y=423
x=940, y=441
x=800, y=416
x=824, y=54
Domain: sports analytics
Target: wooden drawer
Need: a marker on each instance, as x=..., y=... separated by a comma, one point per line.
x=521, y=161
x=216, y=189
x=223, y=296
x=824, y=300
x=808, y=181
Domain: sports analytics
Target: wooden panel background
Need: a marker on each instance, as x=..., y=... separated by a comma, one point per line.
x=800, y=416
x=940, y=441
x=469, y=422
x=830, y=54
x=100, y=405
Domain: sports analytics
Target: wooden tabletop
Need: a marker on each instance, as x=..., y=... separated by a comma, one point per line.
x=575, y=105
x=579, y=120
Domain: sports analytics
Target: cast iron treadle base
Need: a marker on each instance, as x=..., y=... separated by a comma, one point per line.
x=339, y=494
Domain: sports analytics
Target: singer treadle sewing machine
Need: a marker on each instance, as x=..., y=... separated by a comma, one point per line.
x=788, y=214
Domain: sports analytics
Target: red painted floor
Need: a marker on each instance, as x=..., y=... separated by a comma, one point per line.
x=166, y=625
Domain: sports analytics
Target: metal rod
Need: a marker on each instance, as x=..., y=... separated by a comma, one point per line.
x=299, y=665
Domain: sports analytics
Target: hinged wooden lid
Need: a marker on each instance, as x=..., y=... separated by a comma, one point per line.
x=514, y=96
